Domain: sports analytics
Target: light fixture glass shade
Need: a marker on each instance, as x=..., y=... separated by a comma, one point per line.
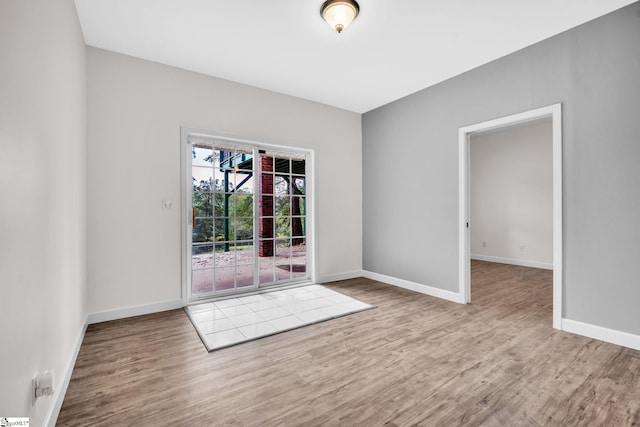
x=339, y=13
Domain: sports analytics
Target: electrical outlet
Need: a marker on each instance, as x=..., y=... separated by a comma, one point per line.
x=42, y=385
x=522, y=248
x=34, y=389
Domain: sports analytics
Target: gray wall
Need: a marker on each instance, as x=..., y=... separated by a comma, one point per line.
x=410, y=218
x=42, y=198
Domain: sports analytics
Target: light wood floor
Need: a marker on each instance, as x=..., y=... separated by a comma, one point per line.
x=414, y=360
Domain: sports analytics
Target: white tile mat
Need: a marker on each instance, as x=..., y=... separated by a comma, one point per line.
x=235, y=320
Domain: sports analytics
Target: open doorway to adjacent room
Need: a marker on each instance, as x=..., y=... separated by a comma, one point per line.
x=511, y=203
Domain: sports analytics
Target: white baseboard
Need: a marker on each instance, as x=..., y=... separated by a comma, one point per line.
x=137, y=310
x=62, y=382
x=512, y=261
x=413, y=286
x=612, y=336
x=340, y=276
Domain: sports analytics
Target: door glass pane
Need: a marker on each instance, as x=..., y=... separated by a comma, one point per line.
x=244, y=276
x=265, y=268
x=282, y=217
x=283, y=205
x=225, y=255
x=225, y=279
x=299, y=185
x=239, y=193
x=283, y=259
x=298, y=206
x=243, y=205
x=202, y=281
x=244, y=158
x=283, y=227
x=202, y=177
x=244, y=253
x=244, y=228
x=298, y=226
x=203, y=230
x=281, y=185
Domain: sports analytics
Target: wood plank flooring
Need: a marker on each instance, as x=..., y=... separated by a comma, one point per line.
x=413, y=360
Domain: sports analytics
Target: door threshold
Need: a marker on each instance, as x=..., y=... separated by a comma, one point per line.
x=271, y=288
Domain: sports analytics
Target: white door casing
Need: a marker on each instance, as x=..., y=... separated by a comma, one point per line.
x=464, y=270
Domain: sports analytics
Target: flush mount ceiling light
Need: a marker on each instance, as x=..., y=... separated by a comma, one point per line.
x=339, y=13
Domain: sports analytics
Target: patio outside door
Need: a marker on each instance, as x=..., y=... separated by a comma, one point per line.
x=247, y=217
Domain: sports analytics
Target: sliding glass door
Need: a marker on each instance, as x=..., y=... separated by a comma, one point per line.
x=246, y=217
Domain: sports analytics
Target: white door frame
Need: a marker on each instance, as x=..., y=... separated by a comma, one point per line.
x=186, y=135
x=464, y=265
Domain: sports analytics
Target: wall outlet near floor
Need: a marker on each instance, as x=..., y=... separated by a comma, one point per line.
x=167, y=204
x=42, y=385
x=522, y=248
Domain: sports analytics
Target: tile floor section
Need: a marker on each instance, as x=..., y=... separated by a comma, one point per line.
x=234, y=320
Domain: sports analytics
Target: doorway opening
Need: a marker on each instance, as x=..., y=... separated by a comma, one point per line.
x=247, y=220
x=554, y=114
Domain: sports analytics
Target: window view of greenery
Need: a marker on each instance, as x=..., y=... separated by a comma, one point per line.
x=224, y=183
x=290, y=208
x=237, y=224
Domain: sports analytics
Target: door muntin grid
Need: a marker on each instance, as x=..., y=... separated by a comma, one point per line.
x=234, y=207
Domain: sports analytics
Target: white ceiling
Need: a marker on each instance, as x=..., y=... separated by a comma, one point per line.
x=393, y=48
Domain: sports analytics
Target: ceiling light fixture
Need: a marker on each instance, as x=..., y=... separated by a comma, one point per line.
x=339, y=13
